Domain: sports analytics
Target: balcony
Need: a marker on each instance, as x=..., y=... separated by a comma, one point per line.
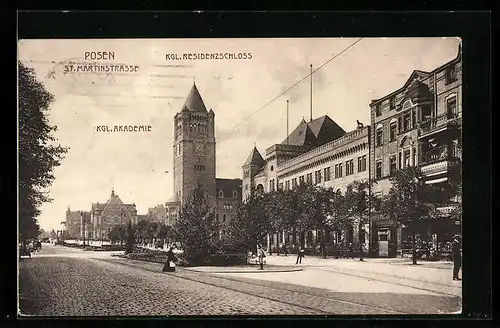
x=438, y=124
x=439, y=160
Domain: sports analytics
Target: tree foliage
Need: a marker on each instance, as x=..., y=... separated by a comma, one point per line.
x=38, y=154
x=196, y=228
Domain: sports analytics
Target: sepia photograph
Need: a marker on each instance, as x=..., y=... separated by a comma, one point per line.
x=239, y=176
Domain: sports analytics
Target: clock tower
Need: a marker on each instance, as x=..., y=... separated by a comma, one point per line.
x=194, y=148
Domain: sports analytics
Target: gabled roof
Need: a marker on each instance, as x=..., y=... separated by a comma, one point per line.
x=194, y=102
x=301, y=136
x=227, y=186
x=255, y=158
x=315, y=133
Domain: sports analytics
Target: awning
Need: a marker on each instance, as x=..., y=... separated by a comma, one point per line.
x=436, y=180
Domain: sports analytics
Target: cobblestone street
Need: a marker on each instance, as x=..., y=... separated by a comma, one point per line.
x=67, y=282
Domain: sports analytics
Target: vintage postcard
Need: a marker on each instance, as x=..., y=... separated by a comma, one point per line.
x=291, y=176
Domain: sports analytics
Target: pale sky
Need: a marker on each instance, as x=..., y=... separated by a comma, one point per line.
x=134, y=163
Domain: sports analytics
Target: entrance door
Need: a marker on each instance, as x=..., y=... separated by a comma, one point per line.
x=383, y=243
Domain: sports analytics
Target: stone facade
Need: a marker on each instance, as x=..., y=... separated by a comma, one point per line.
x=318, y=152
x=418, y=124
x=103, y=217
x=194, y=161
x=73, y=224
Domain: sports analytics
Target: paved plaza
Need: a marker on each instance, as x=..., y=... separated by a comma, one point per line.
x=62, y=281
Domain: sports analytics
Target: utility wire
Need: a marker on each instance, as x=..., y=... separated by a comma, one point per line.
x=294, y=85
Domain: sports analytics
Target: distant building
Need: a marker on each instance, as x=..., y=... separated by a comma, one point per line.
x=73, y=224
x=318, y=152
x=158, y=214
x=419, y=124
x=103, y=217
x=194, y=161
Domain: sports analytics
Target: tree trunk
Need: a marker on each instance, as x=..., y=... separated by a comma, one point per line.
x=323, y=251
x=414, y=250
x=360, y=241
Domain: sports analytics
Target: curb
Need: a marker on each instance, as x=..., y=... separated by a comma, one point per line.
x=247, y=271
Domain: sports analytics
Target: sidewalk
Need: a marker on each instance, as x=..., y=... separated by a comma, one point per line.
x=439, y=274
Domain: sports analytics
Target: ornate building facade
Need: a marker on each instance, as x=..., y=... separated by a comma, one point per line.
x=318, y=152
x=104, y=216
x=194, y=161
x=419, y=124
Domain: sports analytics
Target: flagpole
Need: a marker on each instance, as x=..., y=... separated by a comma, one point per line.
x=311, y=92
x=287, y=112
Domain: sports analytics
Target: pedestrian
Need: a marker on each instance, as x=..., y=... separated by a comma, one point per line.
x=285, y=251
x=169, y=265
x=300, y=255
x=262, y=255
x=457, y=256
x=350, y=250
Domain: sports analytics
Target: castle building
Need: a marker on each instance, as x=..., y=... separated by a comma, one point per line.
x=73, y=224
x=104, y=216
x=419, y=124
x=194, y=161
x=318, y=152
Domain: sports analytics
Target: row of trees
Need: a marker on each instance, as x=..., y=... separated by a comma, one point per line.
x=144, y=232
x=307, y=207
x=39, y=152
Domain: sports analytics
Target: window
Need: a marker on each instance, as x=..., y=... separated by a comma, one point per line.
x=280, y=186
x=336, y=171
x=199, y=168
x=400, y=123
x=349, y=167
x=301, y=180
x=451, y=107
x=392, y=164
x=392, y=103
x=406, y=156
x=294, y=183
x=326, y=173
x=413, y=118
x=221, y=193
x=317, y=176
x=414, y=156
x=361, y=163
x=378, y=170
x=392, y=132
x=309, y=178
x=450, y=74
x=400, y=160
x=223, y=218
x=271, y=185
x=378, y=137
x=340, y=170
x=378, y=111
x=406, y=121
x=272, y=168
x=235, y=193
x=287, y=185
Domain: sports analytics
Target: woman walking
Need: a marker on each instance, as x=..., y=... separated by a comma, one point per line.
x=170, y=264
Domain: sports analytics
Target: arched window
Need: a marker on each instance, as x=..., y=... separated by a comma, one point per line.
x=378, y=135
x=272, y=168
x=235, y=194
x=221, y=193
x=260, y=189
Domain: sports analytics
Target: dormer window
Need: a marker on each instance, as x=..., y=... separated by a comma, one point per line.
x=450, y=74
x=221, y=193
x=392, y=103
x=235, y=194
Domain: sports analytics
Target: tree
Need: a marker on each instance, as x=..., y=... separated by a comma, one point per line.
x=38, y=156
x=196, y=227
x=117, y=234
x=410, y=201
x=358, y=203
x=250, y=225
x=130, y=238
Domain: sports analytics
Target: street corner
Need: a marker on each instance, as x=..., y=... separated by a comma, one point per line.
x=245, y=269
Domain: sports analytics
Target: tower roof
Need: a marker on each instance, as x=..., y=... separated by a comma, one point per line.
x=194, y=102
x=315, y=133
x=301, y=136
x=255, y=158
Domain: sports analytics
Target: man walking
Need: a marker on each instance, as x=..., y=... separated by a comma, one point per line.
x=457, y=256
x=300, y=254
x=261, y=254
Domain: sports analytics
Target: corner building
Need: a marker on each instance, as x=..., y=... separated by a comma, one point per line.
x=194, y=161
x=318, y=152
x=419, y=124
